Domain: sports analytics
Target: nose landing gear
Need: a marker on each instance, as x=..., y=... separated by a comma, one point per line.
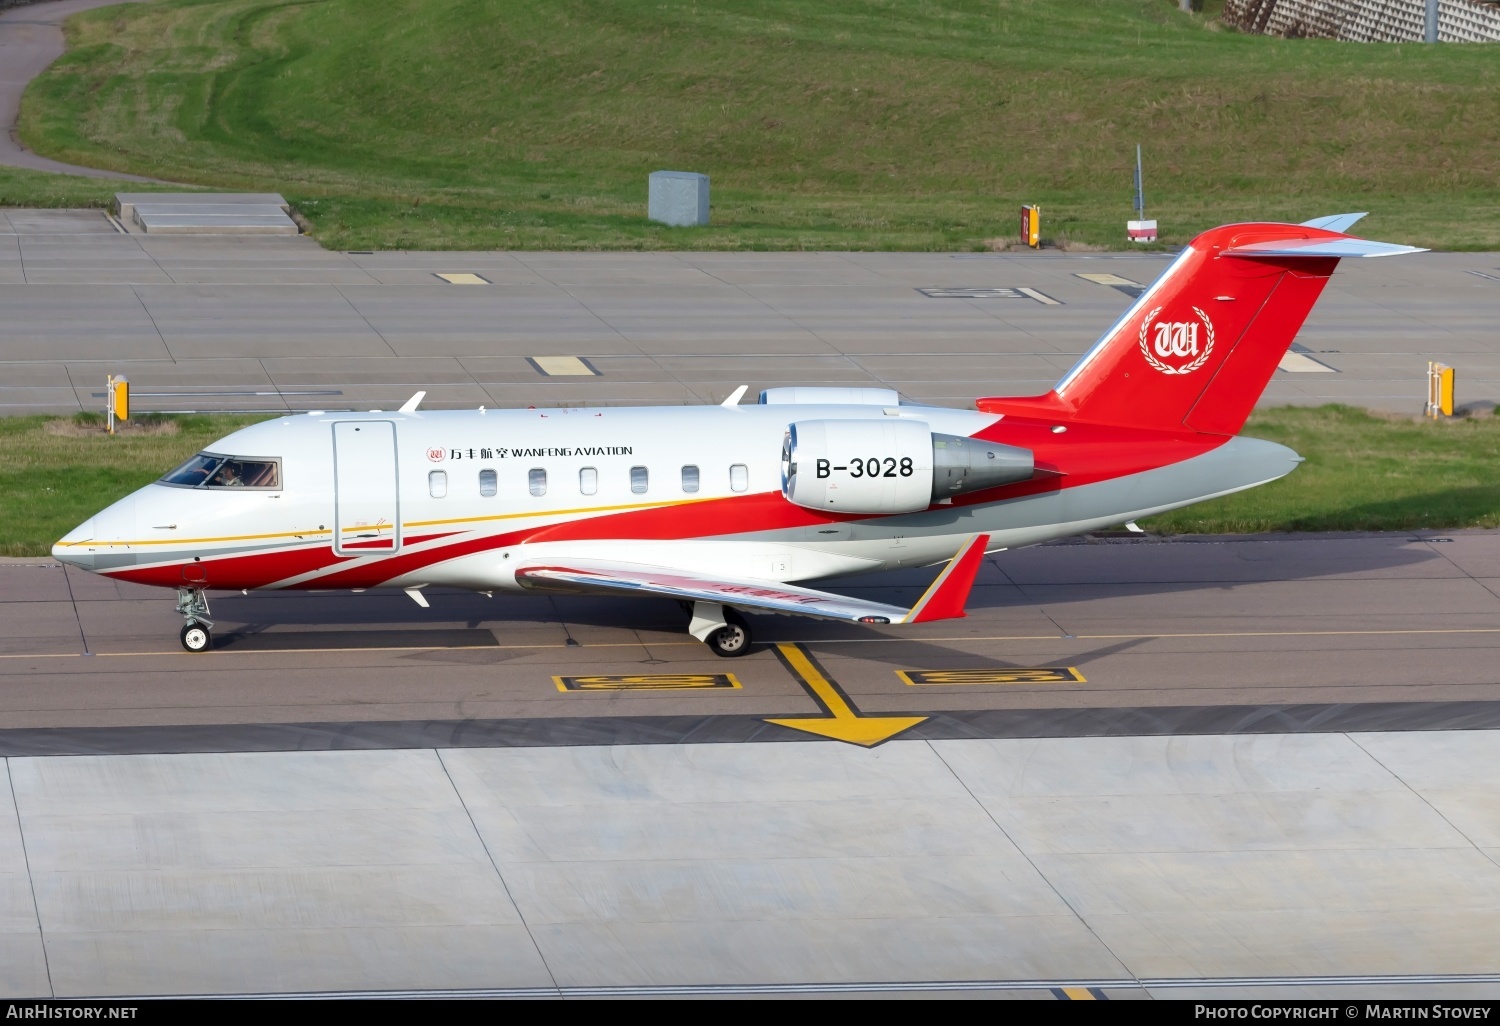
x=195, y=637
x=192, y=603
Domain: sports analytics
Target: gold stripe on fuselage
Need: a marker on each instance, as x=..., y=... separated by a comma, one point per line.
x=404, y=527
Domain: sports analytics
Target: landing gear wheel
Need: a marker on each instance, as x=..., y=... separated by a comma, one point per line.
x=196, y=638
x=733, y=639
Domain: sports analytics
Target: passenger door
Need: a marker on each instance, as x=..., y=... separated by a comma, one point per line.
x=367, y=510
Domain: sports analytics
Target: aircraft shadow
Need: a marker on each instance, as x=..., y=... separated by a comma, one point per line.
x=1016, y=580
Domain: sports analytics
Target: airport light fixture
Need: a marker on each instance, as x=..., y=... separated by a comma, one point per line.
x=1140, y=230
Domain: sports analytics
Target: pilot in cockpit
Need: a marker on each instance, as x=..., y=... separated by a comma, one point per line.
x=227, y=477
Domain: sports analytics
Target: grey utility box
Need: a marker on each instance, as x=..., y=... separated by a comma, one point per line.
x=678, y=198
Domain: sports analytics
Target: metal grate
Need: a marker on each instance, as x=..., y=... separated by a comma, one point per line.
x=1002, y=292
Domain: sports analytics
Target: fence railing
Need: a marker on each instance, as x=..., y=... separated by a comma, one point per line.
x=1366, y=21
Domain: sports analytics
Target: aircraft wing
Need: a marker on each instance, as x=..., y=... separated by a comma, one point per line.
x=944, y=599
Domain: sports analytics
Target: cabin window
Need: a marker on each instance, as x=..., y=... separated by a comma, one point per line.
x=536, y=481
x=206, y=470
x=488, y=483
x=437, y=483
x=588, y=480
x=739, y=477
x=640, y=480
x=690, y=478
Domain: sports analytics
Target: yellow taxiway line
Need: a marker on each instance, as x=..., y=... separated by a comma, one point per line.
x=843, y=722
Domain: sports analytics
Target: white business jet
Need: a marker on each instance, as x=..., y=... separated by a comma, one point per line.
x=724, y=508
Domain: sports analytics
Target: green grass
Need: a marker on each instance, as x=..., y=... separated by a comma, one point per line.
x=21, y=188
x=1363, y=473
x=866, y=124
x=59, y=472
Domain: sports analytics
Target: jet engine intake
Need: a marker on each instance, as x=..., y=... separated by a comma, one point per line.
x=889, y=465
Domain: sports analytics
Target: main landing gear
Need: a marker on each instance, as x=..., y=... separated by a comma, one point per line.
x=723, y=630
x=192, y=603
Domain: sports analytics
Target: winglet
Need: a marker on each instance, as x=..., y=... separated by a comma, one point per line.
x=735, y=396
x=410, y=406
x=946, y=598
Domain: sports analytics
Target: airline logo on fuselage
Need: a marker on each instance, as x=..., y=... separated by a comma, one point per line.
x=1177, y=347
x=439, y=455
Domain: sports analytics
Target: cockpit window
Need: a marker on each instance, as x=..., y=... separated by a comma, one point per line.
x=207, y=470
x=195, y=471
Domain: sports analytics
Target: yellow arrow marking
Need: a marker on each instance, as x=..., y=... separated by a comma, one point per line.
x=844, y=722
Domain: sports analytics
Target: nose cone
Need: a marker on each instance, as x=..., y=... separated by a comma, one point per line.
x=103, y=541
x=73, y=548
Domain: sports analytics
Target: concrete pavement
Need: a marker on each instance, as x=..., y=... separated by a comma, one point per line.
x=259, y=323
x=1137, y=866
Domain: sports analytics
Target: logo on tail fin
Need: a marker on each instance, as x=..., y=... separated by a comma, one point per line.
x=1176, y=347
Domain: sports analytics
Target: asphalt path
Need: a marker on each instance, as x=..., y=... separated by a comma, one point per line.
x=1248, y=634
x=31, y=38
x=225, y=323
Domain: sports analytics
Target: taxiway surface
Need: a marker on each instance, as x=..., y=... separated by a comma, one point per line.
x=216, y=322
x=1212, y=635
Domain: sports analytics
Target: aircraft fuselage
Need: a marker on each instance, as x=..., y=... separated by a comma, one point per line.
x=459, y=498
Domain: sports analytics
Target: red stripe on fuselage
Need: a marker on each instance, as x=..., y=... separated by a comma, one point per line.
x=1086, y=453
x=1083, y=454
x=255, y=570
x=251, y=570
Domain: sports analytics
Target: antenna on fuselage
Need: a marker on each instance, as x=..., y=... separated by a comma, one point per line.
x=735, y=397
x=410, y=406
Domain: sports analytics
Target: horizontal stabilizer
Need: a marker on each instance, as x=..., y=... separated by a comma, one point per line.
x=1335, y=222
x=1314, y=248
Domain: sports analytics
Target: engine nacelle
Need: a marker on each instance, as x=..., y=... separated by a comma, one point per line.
x=961, y=465
x=890, y=465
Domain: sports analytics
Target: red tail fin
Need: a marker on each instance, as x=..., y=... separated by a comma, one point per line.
x=1199, y=346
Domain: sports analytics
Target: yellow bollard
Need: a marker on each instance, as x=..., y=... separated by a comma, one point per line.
x=1439, y=390
x=1031, y=226
x=117, y=400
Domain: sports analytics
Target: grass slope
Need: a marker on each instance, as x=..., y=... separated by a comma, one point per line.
x=1362, y=473
x=901, y=124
